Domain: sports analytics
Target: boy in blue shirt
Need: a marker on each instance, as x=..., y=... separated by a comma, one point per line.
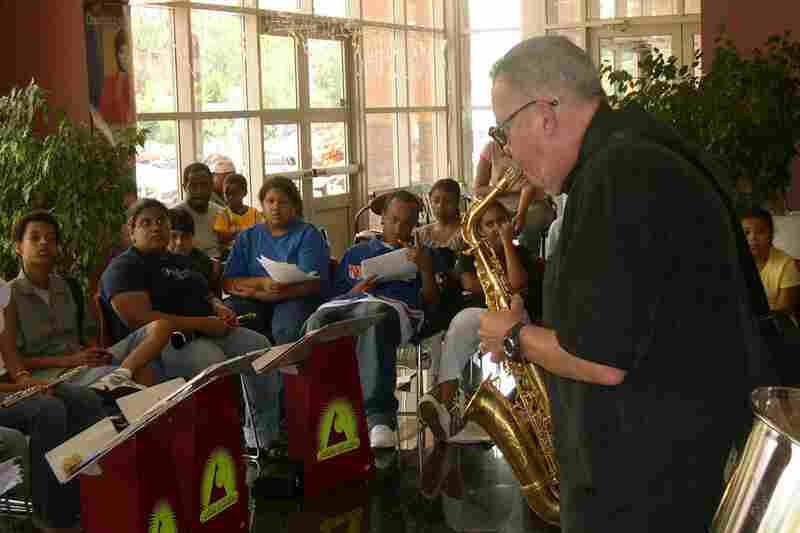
x=402, y=302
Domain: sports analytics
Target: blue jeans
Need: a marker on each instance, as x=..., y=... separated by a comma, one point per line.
x=49, y=421
x=282, y=321
x=203, y=352
x=377, y=357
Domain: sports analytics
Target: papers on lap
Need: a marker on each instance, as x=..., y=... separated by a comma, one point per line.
x=10, y=475
x=393, y=266
x=285, y=272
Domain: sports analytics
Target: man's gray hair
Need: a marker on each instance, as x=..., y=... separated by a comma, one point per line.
x=550, y=63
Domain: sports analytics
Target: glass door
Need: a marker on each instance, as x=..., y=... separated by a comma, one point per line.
x=307, y=125
x=623, y=46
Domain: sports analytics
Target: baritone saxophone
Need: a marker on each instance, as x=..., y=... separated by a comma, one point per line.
x=522, y=431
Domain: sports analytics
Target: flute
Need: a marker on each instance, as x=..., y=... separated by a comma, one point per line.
x=12, y=399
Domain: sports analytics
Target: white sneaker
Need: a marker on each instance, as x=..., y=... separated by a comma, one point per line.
x=382, y=436
x=436, y=416
x=118, y=378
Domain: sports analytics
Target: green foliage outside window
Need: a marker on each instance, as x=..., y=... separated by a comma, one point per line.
x=73, y=171
x=745, y=110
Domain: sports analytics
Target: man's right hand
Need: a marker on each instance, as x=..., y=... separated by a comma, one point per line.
x=364, y=285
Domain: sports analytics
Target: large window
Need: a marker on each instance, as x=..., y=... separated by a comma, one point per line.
x=618, y=32
x=494, y=27
x=404, y=88
x=278, y=86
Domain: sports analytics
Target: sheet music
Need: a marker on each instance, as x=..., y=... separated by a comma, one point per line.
x=81, y=449
x=10, y=475
x=134, y=406
x=285, y=272
x=389, y=267
x=271, y=360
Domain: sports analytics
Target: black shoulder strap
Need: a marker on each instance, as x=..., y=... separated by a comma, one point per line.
x=77, y=295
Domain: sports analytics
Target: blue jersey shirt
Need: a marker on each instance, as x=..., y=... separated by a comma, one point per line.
x=303, y=246
x=348, y=275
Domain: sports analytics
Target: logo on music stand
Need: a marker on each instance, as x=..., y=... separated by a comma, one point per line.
x=338, y=430
x=219, y=485
x=162, y=519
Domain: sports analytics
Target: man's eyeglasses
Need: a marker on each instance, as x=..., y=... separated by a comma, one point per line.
x=498, y=133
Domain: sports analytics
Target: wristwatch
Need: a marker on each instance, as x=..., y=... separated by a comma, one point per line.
x=512, y=346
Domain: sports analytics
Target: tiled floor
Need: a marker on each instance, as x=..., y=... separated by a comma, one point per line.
x=462, y=488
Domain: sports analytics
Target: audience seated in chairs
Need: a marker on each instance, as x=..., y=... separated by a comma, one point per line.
x=45, y=326
x=198, y=184
x=401, y=301
x=439, y=407
x=154, y=293
x=49, y=420
x=236, y=216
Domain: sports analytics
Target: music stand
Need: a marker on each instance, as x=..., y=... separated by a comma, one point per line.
x=328, y=435
x=177, y=467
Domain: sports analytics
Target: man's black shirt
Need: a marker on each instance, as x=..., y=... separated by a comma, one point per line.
x=646, y=278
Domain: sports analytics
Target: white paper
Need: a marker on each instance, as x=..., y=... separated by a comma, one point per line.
x=471, y=433
x=285, y=272
x=270, y=360
x=389, y=267
x=133, y=406
x=10, y=475
x=82, y=448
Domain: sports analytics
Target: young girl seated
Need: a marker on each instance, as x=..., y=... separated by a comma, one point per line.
x=438, y=407
x=445, y=197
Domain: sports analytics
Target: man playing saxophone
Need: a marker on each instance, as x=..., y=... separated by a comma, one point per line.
x=648, y=336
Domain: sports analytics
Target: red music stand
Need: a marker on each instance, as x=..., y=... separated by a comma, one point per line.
x=178, y=467
x=325, y=409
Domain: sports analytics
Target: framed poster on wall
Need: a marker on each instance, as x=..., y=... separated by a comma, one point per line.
x=108, y=58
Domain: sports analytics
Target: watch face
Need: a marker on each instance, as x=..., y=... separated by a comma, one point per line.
x=509, y=346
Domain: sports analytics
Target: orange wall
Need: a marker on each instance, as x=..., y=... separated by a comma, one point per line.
x=44, y=40
x=749, y=23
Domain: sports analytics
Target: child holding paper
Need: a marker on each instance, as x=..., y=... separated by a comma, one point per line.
x=284, y=237
x=402, y=302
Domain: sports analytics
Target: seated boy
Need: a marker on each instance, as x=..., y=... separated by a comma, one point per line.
x=48, y=419
x=181, y=242
x=401, y=301
x=43, y=319
x=236, y=216
x=438, y=407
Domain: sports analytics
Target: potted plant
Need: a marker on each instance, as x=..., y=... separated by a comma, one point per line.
x=745, y=110
x=72, y=171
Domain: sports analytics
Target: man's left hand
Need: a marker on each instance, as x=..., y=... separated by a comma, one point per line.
x=495, y=326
